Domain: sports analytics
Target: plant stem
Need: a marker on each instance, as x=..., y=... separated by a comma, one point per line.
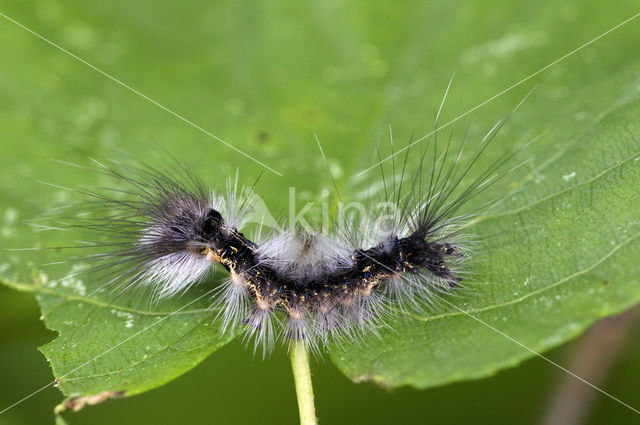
x=302, y=378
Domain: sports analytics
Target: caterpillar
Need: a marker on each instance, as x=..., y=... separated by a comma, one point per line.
x=293, y=283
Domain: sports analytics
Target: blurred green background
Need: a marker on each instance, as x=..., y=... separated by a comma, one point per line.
x=264, y=75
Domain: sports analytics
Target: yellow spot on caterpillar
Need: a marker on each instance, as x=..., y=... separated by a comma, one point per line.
x=263, y=304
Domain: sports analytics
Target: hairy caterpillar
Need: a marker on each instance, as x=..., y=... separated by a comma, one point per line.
x=303, y=284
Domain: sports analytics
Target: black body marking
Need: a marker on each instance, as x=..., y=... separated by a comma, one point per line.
x=273, y=289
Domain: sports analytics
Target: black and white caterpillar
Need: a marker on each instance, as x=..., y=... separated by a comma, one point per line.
x=293, y=284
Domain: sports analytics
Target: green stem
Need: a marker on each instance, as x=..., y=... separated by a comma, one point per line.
x=302, y=378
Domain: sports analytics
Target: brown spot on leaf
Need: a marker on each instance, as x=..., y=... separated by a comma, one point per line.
x=262, y=137
x=78, y=403
x=371, y=379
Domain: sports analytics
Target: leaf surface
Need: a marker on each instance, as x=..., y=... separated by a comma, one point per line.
x=551, y=259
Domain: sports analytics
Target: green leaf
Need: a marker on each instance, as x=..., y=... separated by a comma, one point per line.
x=264, y=76
x=109, y=350
x=552, y=259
